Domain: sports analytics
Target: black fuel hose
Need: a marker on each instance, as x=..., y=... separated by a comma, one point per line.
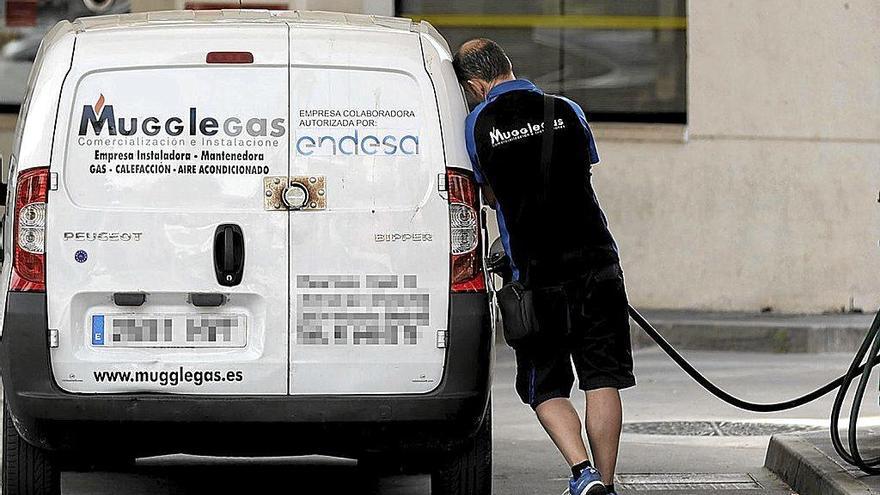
x=854, y=457
x=867, y=353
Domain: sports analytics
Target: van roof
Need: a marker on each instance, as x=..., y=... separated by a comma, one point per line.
x=233, y=16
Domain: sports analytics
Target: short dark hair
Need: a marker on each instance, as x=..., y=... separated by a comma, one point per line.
x=480, y=58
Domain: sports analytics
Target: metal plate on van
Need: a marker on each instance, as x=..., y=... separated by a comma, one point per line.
x=313, y=186
x=168, y=330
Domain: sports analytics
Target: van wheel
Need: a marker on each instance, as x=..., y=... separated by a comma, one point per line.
x=470, y=471
x=27, y=470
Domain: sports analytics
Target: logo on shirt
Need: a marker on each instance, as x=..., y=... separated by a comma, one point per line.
x=498, y=137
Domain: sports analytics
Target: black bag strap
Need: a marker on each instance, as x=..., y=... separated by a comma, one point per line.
x=546, y=157
x=547, y=144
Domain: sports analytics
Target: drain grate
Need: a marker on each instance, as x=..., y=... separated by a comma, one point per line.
x=686, y=481
x=715, y=428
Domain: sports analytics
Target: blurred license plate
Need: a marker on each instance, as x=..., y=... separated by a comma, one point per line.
x=169, y=330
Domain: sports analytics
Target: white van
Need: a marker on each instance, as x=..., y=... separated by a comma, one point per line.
x=244, y=232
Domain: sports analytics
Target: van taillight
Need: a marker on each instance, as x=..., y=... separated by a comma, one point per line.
x=29, y=234
x=464, y=239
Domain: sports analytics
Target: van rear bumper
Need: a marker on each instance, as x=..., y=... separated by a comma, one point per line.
x=51, y=418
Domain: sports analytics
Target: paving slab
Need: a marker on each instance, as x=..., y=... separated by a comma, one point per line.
x=761, y=482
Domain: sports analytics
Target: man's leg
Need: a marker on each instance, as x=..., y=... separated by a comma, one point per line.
x=561, y=421
x=604, y=418
x=602, y=355
x=544, y=379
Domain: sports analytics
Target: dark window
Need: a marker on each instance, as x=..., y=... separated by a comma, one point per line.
x=622, y=60
x=23, y=23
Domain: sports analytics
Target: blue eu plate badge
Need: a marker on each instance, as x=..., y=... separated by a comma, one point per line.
x=97, y=329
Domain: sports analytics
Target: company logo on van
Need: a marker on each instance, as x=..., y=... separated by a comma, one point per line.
x=333, y=142
x=101, y=116
x=102, y=236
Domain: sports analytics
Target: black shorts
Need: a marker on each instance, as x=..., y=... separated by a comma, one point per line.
x=585, y=321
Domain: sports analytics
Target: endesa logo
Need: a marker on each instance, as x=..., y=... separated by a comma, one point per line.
x=356, y=142
x=99, y=117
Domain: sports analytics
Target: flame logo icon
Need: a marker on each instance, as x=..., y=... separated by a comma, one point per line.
x=99, y=104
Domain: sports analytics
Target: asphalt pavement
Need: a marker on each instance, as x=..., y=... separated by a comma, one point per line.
x=700, y=447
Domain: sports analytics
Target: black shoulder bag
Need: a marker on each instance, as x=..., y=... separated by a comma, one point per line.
x=516, y=298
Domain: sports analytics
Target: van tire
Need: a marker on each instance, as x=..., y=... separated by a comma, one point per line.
x=27, y=470
x=469, y=472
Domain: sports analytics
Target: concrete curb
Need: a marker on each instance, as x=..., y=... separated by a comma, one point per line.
x=808, y=470
x=751, y=332
x=756, y=332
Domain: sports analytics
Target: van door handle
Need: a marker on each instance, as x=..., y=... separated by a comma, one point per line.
x=229, y=254
x=228, y=249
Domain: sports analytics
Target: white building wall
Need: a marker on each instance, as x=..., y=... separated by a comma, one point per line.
x=772, y=199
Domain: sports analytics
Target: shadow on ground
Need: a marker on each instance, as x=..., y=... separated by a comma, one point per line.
x=188, y=475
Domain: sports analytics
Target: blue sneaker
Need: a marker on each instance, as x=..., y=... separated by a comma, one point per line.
x=589, y=483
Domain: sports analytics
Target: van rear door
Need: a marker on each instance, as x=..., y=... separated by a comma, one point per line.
x=369, y=251
x=165, y=134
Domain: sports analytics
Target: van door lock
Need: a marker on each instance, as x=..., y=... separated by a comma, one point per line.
x=297, y=192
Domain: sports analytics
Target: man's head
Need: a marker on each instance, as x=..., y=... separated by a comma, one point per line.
x=480, y=64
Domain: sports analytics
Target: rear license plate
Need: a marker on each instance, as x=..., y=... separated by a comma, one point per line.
x=169, y=330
